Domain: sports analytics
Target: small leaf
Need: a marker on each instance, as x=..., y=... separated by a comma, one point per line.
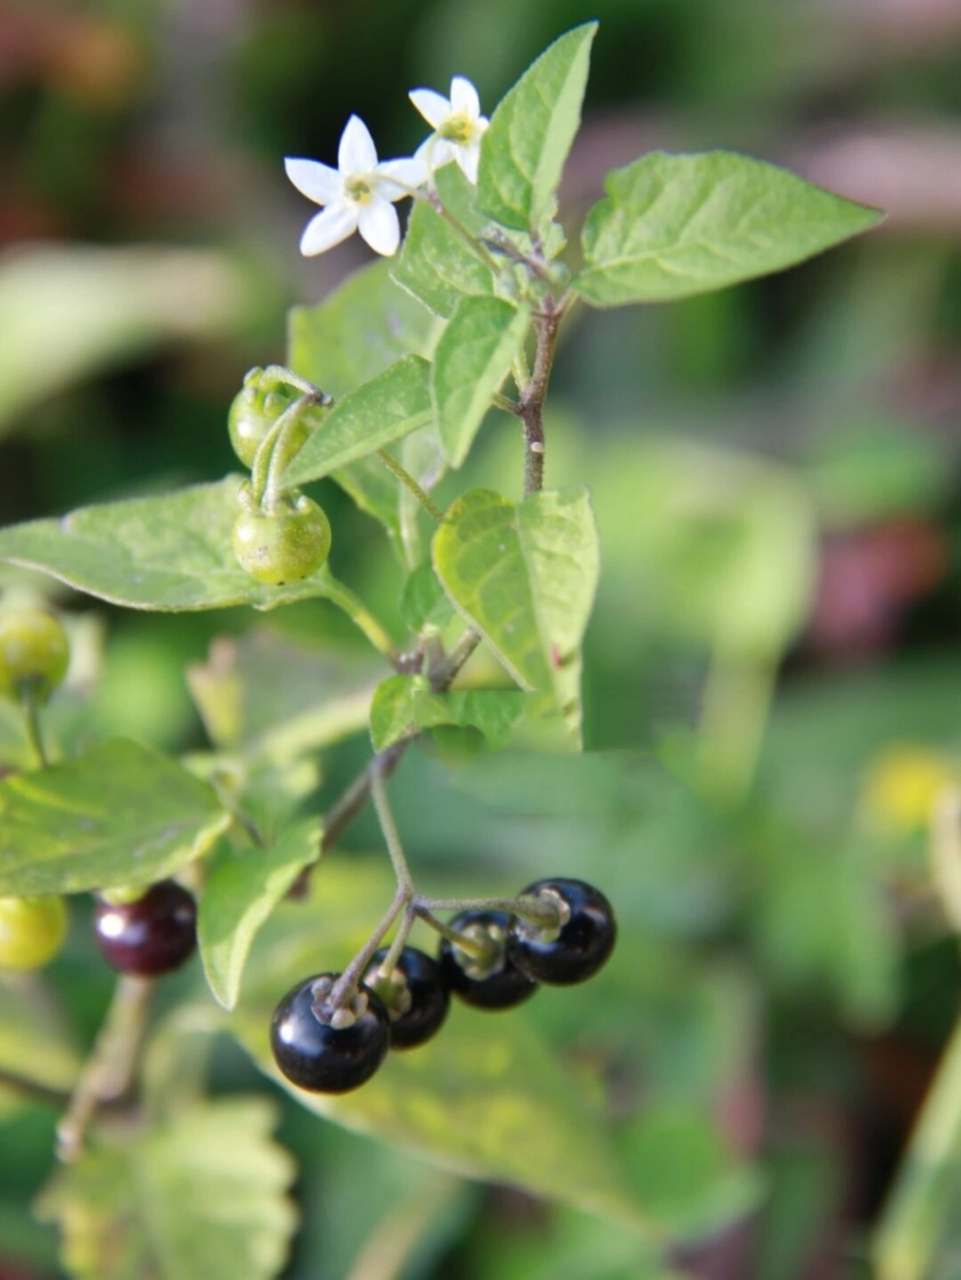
x=166, y=553
x=202, y=1197
x=423, y=600
x=472, y=359
x=121, y=814
x=354, y=335
x=392, y=709
x=524, y=149
x=385, y=409
x=676, y=225
x=525, y=577
x=402, y=703
x=435, y=264
x=239, y=897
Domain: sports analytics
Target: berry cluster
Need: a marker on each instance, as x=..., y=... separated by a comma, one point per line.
x=280, y=534
x=331, y=1042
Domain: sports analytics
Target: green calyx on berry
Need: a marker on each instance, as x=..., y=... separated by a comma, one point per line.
x=577, y=947
x=32, y=931
x=284, y=544
x=254, y=412
x=414, y=994
x=328, y=1050
x=34, y=654
x=491, y=981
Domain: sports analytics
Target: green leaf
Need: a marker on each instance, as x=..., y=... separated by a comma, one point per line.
x=385, y=409
x=166, y=553
x=473, y=357
x=121, y=814
x=423, y=600
x=401, y=703
x=202, y=1197
x=487, y=1098
x=525, y=577
x=352, y=336
x=676, y=225
x=267, y=696
x=435, y=264
x=524, y=149
x=239, y=897
x=358, y=331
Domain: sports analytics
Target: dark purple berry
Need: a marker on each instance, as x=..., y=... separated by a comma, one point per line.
x=576, y=949
x=328, y=1050
x=491, y=982
x=415, y=996
x=150, y=936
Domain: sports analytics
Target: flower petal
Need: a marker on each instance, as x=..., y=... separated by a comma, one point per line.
x=469, y=158
x=328, y=228
x=433, y=106
x=410, y=171
x=463, y=97
x=380, y=227
x=357, y=153
x=318, y=182
x=443, y=153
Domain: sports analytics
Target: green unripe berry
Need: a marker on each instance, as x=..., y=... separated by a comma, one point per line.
x=284, y=545
x=33, y=652
x=32, y=931
x=255, y=410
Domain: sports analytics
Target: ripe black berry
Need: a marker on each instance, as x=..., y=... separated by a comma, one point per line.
x=486, y=984
x=328, y=1051
x=415, y=996
x=576, y=950
x=151, y=935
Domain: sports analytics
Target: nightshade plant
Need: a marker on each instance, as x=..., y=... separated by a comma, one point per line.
x=389, y=382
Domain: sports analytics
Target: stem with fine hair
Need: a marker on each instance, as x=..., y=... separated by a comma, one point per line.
x=30, y=703
x=406, y=479
x=108, y=1071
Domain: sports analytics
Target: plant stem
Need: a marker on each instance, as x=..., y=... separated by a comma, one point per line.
x=280, y=454
x=32, y=1090
x=389, y=962
x=31, y=719
x=107, y=1072
x=538, y=911
x=919, y=1212
x=506, y=404
x=345, y=986
x=263, y=468
x=342, y=596
x=404, y=476
x=533, y=395
x=279, y=373
x=478, y=950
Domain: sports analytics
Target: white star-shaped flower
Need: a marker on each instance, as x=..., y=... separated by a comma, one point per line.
x=358, y=195
x=457, y=123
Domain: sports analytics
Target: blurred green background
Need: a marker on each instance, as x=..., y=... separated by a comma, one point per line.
x=776, y=642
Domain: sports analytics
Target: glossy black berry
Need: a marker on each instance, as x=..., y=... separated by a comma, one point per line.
x=576, y=950
x=415, y=996
x=316, y=1054
x=488, y=983
x=151, y=935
